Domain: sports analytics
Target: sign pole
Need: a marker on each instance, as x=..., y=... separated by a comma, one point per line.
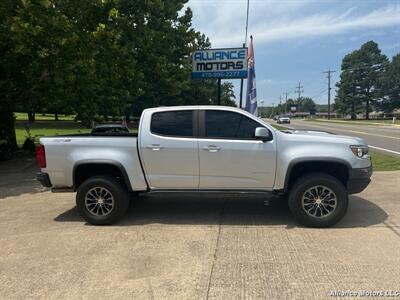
x=219, y=91
x=241, y=93
x=241, y=84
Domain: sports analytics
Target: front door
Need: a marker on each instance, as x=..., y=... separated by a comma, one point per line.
x=230, y=156
x=169, y=150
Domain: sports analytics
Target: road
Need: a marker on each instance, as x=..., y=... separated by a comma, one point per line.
x=204, y=246
x=383, y=138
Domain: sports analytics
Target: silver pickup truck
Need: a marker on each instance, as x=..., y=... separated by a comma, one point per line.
x=206, y=148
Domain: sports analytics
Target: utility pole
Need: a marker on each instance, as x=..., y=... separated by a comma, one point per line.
x=329, y=72
x=280, y=104
x=286, y=94
x=299, y=90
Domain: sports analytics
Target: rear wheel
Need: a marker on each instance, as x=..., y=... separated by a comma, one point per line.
x=318, y=200
x=102, y=200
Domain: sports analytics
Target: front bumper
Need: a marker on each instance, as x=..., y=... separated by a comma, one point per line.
x=359, y=179
x=44, y=179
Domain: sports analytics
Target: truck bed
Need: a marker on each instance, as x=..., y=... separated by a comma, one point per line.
x=64, y=153
x=103, y=134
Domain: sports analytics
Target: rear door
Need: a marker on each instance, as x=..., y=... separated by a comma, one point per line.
x=230, y=156
x=169, y=149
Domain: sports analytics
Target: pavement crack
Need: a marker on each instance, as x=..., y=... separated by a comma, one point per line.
x=392, y=227
x=221, y=215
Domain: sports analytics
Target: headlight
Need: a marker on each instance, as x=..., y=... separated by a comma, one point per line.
x=360, y=151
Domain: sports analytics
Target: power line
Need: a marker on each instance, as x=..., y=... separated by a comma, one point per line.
x=316, y=95
x=329, y=72
x=361, y=68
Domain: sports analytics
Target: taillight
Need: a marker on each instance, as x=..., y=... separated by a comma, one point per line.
x=41, y=156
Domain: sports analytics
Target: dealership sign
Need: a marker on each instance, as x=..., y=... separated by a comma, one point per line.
x=220, y=63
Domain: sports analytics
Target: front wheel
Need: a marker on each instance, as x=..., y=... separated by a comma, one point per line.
x=102, y=200
x=318, y=200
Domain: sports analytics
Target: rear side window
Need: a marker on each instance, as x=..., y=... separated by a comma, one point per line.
x=229, y=125
x=173, y=123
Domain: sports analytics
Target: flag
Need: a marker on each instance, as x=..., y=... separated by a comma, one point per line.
x=251, y=95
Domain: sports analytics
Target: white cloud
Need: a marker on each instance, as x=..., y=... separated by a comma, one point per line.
x=223, y=21
x=272, y=81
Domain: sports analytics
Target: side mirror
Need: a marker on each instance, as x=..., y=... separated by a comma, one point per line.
x=263, y=134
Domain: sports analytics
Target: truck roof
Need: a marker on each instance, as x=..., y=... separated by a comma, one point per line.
x=185, y=107
x=205, y=107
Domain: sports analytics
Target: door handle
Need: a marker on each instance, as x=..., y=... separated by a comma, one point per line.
x=211, y=148
x=154, y=147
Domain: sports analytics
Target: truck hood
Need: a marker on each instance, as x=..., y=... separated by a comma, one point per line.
x=322, y=136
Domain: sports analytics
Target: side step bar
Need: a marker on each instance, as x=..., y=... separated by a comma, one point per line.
x=62, y=190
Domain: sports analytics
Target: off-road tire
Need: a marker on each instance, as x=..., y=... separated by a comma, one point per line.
x=119, y=194
x=306, y=182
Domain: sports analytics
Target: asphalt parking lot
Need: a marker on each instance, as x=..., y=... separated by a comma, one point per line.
x=192, y=246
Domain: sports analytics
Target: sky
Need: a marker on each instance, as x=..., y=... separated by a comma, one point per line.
x=297, y=40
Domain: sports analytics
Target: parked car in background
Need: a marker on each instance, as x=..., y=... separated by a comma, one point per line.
x=206, y=149
x=283, y=120
x=110, y=128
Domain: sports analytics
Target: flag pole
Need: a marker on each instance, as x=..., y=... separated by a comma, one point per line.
x=219, y=92
x=244, y=46
x=247, y=23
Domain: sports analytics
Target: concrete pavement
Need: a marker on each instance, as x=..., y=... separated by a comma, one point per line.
x=193, y=246
x=386, y=137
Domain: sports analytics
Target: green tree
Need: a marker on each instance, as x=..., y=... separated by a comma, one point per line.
x=289, y=103
x=8, y=141
x=100, y=58
x=348, y=99
x=390, y=86
x=305, y=104
x=359, y=79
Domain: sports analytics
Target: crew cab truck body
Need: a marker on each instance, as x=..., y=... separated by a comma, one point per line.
x=207, y=148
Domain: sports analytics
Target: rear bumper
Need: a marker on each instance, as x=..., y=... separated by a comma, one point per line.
x=44, y=179
x=358, y=180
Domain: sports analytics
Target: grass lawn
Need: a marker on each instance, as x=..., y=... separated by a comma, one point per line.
x=46, y=128
x=384, y=162
x=279, y=127
x=50, y=128
x=39, y=117
x=355, y=122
